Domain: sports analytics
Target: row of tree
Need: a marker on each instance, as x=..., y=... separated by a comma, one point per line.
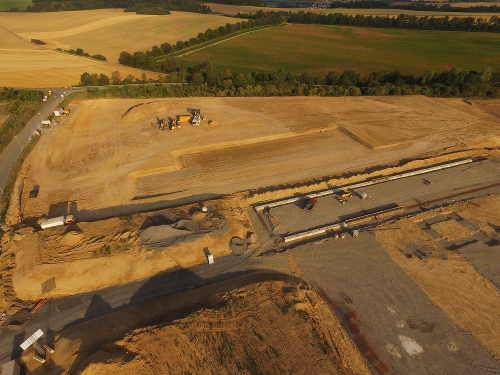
x=81, y=52
x=206, y=80
x=402, y=21
x=8, y=94
x=157, y=57
x=139, y=6
x=369, y=4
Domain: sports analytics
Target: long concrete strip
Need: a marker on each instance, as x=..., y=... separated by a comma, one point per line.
x=323, y=193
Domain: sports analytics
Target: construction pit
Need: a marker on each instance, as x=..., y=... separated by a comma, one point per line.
x=110, y=166
x=109, y=157
x=276, y=325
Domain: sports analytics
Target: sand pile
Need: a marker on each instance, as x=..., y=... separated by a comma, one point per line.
x=267, y=328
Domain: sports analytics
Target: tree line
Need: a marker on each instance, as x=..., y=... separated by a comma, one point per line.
x=157, y=57
x=81, y=52
x=21, y=106
x=206, y=80
x=402, y=21
x=139, y=6
x=369, y=4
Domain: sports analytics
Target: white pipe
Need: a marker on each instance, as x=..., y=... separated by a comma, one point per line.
x=282, y=202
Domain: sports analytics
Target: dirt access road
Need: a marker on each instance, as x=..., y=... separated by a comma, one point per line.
x=110, y=153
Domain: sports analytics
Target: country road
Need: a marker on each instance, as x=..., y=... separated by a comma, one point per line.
x=10, y=155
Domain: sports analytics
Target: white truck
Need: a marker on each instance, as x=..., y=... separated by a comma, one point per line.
x=56, y=221
x=46, y=123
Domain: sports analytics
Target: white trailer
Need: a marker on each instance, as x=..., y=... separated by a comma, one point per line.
x=46, y=123
x=57, y=113
x=56, y=221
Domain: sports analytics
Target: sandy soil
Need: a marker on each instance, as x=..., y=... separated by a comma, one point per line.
x=102, y=156
x=58, y=261
x=452, y=283
x=270, y=327
x=109, y=31
x=235, y=9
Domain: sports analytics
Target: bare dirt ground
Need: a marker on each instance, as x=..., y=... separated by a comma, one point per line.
x=456, y=285
x=272, y=327
x=59, y=261
x=109, y=31
x=110, y=153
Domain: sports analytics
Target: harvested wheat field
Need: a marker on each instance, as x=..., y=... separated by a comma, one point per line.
x=109, y=31
x=39, y=68
x=272, y=327
x=23, y=64
x=110, y=152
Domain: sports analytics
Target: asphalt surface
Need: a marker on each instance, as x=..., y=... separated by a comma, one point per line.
x=10, y=155
x=387, y=306
x=406, y=192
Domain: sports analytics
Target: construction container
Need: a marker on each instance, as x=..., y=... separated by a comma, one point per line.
x=11, y=368
x=56, y=221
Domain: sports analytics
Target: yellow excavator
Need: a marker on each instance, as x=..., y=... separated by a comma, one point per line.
x=343, y=196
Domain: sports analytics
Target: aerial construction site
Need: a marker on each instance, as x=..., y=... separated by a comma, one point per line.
x=360, y=232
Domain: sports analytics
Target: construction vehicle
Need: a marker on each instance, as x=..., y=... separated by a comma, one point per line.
x=343, y=196
x=162, y=123
x=173, y=124
x=309, y=203
x=196, y=116
x=182, y=119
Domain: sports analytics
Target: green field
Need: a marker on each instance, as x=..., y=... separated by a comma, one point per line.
x=318, y=48
x=9, y=4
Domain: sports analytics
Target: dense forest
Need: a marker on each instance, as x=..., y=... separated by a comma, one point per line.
x=207, y=80
x=139, y=6
x=402, y=21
